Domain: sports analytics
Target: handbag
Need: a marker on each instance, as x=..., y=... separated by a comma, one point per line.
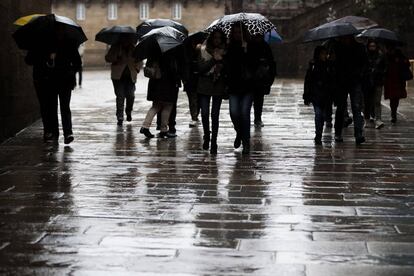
x=152, y=70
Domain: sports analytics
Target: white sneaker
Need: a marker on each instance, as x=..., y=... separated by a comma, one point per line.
x=193, y=124
x=379, y=124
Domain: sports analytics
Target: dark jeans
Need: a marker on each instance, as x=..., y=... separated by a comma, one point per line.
x=193, y=104
x=215, y=113
x=394, y=103
x=43, y=91
x=240, y=108
x=356, y=97
x=258, y=107
x=320, y=113
x=171, y=120
x=124, y=90
x=80, y=76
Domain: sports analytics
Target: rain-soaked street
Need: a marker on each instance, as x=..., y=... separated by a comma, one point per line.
x=115, y=203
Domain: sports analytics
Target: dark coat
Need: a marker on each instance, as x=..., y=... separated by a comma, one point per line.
x=166, y=88
x=190, y=76
x=236, y=69
x=211, y=80
x=374, y=71
x=60, y=72
x=395, y=84
x=262, y=67
x=318, y=84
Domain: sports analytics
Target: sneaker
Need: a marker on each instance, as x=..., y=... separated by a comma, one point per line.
x=158, y=128
x=146, y=132
x=258, y=124
x=166, y=134
x=393, y=120
x=68, y=139
x=129, y=117
x=193, y=123
x=379, y=124
x=339, y=139
x=359, y=140
x=119, y=123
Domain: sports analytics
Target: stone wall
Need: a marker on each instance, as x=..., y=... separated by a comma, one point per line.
x=196, y=15
x=18, y=102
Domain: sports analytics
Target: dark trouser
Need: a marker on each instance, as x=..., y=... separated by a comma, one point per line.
x=44, y=92
x=80, y=76
x=64, y=95
x=394, y=103
x=124, y=90
x=320, y=113
x=193, y=104
x=240, y=108
x=329, y=112
x=356, y=97
x=215, y=113
x=171, y=119
x=258, y=100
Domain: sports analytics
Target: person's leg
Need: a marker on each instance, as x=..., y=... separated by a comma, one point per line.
x=155, y=108
x=41, y=92
x=356, y=106
x=246, y=107
x=235, y=115
x=319, y=121
x=171, y=119
x=165, y=116
x=258, y=109
x=339, y=120
x=130, y=98
x=80, y=72
x=215, y=115
x=205, y=120
x=378, y=107
x=328, y=114
x=394, y=106
x=65, y=113
x=120, y=99
x=52, y=110
x=193, y=105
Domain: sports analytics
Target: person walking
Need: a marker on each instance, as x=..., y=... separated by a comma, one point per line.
x=54, y=69
x=164, y=82
x=317, y=88
x=211, y=86
x=124, y=70
x=240, y=94
x=264, y=72
x=373, y=83
x=350, y=61
x=81, y=50
x=396, y=75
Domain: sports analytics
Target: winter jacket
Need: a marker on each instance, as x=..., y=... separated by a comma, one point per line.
x=374, y=71
x=120, y=58
x=395, y=84
x=318, y=84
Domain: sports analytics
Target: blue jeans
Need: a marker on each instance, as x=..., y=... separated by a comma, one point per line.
x=204, y=101
x=240, y=108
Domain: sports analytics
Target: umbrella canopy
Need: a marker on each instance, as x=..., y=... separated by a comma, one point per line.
x=111, y=35
x=165, y=38
x=151, y=24
x=42, y=30
x=197, y=38
x=272, y=36
x=329, y=30
x=254, y=22
x=26, y=19
x=359, y=22
x=381, y=33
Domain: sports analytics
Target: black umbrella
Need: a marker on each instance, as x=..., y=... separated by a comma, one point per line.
x=196, y=38
x=381, y=33
x=359, y=22
x=42, y=31
x=164, y=39
x=111, y=35
x=254, y=22
x=329, y=30
x=151, y=24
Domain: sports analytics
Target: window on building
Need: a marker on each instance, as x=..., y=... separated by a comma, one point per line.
x=176, y=11
x=143, y=11
x=80, y=11
x=112, y=11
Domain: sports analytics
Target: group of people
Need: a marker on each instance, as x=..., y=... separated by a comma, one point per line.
x=345, y=68
x=240, y=68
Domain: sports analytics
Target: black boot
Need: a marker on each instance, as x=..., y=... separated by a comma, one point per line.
x=237, y=141
x=213, y=148
x=246, y=147
x=146, y=132
x=206, y=141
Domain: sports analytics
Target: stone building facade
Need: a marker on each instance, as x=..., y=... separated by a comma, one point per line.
x=93, y=15
x=18, y=101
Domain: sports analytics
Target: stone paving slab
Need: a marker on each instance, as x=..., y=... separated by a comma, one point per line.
x=115, y=203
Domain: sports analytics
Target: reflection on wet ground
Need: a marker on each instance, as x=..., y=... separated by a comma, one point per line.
x=114, y=202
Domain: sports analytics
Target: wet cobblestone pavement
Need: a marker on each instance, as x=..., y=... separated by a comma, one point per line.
x=114, y=203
